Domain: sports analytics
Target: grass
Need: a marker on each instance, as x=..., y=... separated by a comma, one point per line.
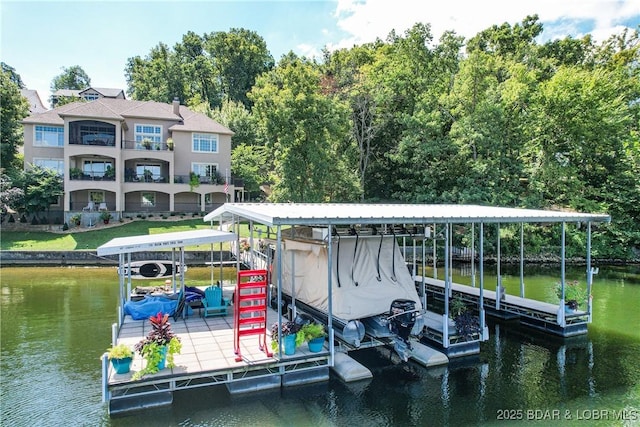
x=47, y=241
x=90, y=240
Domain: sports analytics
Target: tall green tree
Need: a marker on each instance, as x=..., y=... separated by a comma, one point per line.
x=42, y=188
x=303, y=128
x=73, y=77
x=13, y=75
x=13, y=109
x=238, y=57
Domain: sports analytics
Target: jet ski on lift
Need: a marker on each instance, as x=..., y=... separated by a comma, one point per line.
x=151, y=269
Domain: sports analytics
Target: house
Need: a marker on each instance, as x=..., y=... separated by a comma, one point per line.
x=33, y=98
x=132, y=156
x=88, y=94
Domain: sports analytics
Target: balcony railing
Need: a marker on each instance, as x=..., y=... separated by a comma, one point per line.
x=141, y=146
x=148, y=177
x=95, y=140
x=91, y=176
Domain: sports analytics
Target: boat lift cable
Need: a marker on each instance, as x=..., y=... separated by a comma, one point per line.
x=355, y=249
x=393, y=256
x=378, y=261
x=338, y=259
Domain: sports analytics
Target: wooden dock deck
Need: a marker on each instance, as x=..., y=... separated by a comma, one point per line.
x=207, y=358
x=536, y=314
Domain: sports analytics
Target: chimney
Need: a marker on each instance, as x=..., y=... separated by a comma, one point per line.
x=176, y=106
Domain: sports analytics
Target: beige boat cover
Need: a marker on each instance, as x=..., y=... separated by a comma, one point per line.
x=370, y=297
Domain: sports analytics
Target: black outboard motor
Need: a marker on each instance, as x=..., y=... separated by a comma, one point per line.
x=401, y=320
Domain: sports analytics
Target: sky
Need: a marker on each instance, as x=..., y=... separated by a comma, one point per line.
x=38, y=38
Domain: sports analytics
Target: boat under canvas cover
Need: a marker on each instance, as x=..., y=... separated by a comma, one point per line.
x=368, y=274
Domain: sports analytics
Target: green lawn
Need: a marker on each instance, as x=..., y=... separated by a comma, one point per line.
x=90, y=240
x=45, y=241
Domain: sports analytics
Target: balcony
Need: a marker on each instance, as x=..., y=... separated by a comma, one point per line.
x=148, y=177
x=101, y=140
x=144, y=146
x=77, y=175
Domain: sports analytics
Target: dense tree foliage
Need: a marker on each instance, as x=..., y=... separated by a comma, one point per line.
x=200, y=69
x=497, y=119
x=13, y=108
x=73, y=77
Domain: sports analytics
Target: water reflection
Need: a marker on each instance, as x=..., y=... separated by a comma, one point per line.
x=56, y=323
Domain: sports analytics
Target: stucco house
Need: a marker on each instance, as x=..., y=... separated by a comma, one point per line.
x=132, y=156
x=87, y=94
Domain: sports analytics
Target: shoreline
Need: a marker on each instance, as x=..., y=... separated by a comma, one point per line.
x=194, y=258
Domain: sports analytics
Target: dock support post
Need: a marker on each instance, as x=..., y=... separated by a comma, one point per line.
x=561, y=318
x=590, y=273
x=114, y=334
x=473, y=255
x=522, y=260
x=105, y=377
x=483, y=327
x=498, y=279
x=332, y=347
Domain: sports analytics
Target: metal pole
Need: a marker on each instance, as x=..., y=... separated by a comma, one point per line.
x=435, y=266
x=279, y=283
x=499, y=279
x=330, y=296
x=522, y=259
x=473, y=255
x=447, y=285
x=481, y=267
x=589, y=271
x=424, y=264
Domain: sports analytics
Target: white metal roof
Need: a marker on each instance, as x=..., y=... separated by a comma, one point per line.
x=345, y=214
x=151, y=242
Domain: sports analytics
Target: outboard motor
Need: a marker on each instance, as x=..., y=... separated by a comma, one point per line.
x=401, y=321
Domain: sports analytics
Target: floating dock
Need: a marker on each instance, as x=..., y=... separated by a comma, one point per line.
x=540, y=315
x=207, y=358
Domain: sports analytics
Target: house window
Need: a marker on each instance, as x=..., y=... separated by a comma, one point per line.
x=53, y=164
x=205, y=143
x=205, y=170
x=147, y=172
x=95, y=168
x=49, y=136
x=96, y=197
x=91, y=97
x=148, y=199
x=149, y=132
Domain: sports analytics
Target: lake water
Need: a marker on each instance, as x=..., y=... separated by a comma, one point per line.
x=55, y=324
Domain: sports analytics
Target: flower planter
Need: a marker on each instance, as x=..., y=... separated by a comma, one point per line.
x=163, y=362
x=289, y=344
x=121, y=366
x=316, y=344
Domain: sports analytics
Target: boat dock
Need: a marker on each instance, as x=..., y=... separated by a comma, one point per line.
x=541, y=315
x=207, y=358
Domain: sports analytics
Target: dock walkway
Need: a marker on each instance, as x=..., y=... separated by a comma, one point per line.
x=537, y=314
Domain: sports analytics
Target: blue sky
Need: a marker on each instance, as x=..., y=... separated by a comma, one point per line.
x=38, y=38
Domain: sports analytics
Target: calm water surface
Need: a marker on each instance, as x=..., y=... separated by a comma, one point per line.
x=56, y=323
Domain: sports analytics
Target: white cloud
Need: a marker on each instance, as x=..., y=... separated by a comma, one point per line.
x=366, y=20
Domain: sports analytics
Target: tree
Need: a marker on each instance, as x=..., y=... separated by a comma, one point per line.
x=13, y=109
x=10, y=197
x=73, y=77
x=252, y=164
x=42, y=188
x=238, y=57
x=303, y=128
x=13, y=75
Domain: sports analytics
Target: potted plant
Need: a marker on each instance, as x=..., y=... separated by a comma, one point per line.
x=105, y=216
x=467, y=325
x=75, y=173
x=120, y=356
x=158, y=347
x=574, y=295
x=314, y=334
x=109, y=174
x=291, y=338
x=170, y=144
x=146, y=143
x=75, y=219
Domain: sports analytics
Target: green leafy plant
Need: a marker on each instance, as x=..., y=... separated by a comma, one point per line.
x=151, y=347
x=170, y=144
x=313, y=330
x=288, y=328
x=105, y=216
x=457, y=307
x=574, y=295
x=120, y=351
x=75, y=219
